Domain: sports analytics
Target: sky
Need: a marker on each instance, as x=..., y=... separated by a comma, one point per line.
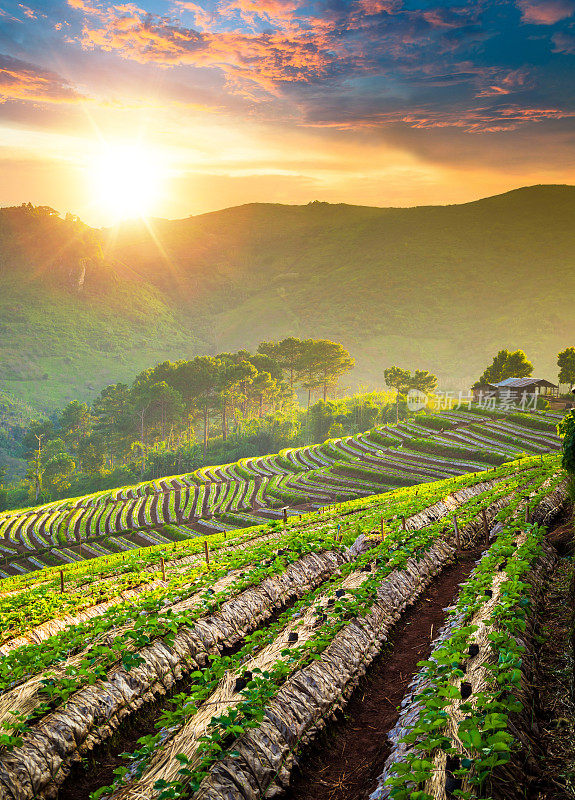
x=175, y=107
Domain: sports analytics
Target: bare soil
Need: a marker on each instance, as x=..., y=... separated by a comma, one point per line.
x=555, y=721
x=346, y=760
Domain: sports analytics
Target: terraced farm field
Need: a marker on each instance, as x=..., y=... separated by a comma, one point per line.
x=207, y=668
x=216, y=499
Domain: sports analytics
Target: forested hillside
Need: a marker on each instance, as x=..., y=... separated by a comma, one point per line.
x=435, y=285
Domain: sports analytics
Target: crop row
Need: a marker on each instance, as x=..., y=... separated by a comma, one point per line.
x=461, y=725
x=146, y=653
x=338, y=469
x=249, y=745
x=97, y=583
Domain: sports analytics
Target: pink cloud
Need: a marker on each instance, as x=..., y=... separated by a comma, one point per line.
x=513, y=81
x=471, y=120
x=372, y=7
x=545, y=12
x=440, y=18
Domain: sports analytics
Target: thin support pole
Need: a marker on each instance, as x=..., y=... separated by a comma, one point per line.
x=485, y=526
x=457, y=534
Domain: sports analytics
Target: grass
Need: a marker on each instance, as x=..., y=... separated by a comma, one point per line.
x=58, y=351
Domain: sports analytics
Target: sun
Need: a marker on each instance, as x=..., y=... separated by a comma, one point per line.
x=126, y=181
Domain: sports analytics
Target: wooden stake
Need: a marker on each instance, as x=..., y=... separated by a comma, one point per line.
x=527, y=513
x=163, y=563
x=285, y=516
x=382, y=529
x=485, y=526
x=62, y=580
x=207, y=552
x=457, y=536
x=403, y=524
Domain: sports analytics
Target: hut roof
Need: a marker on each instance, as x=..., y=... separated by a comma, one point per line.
x=522, y=383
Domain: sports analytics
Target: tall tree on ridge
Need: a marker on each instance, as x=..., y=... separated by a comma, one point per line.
x=198, y=382
x=423, y=381
x=398, y=379
x=112, y=418
x=335, y=361
x=566, y=364
x=402, y=381
x=231, y=373
x=506, y=364
x=288, y=354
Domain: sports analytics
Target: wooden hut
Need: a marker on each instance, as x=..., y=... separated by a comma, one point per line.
x=516, y=388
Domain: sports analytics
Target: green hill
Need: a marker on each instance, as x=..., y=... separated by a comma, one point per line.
x=441, y=288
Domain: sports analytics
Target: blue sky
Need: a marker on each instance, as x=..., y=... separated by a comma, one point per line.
x=380, y=102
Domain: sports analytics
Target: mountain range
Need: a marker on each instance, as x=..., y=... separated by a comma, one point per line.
x=440, y=288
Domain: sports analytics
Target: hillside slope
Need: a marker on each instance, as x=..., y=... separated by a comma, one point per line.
x=438, y=287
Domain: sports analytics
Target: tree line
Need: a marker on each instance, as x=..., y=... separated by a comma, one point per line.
x=177, y=404
x=178, y=416
x=507, y=364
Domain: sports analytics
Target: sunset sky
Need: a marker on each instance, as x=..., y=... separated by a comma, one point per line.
x=220, y=102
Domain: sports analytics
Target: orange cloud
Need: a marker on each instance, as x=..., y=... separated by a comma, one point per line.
x=261, y=58
x=202, y=18
x=28, y=11
x=279, y=12
x=22, y=81
x=81, y=5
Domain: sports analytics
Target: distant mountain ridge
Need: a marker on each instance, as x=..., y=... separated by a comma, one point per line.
x=434, y=287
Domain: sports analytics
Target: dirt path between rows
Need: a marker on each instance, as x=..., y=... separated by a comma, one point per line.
x=346, y=760
x=555, y=709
